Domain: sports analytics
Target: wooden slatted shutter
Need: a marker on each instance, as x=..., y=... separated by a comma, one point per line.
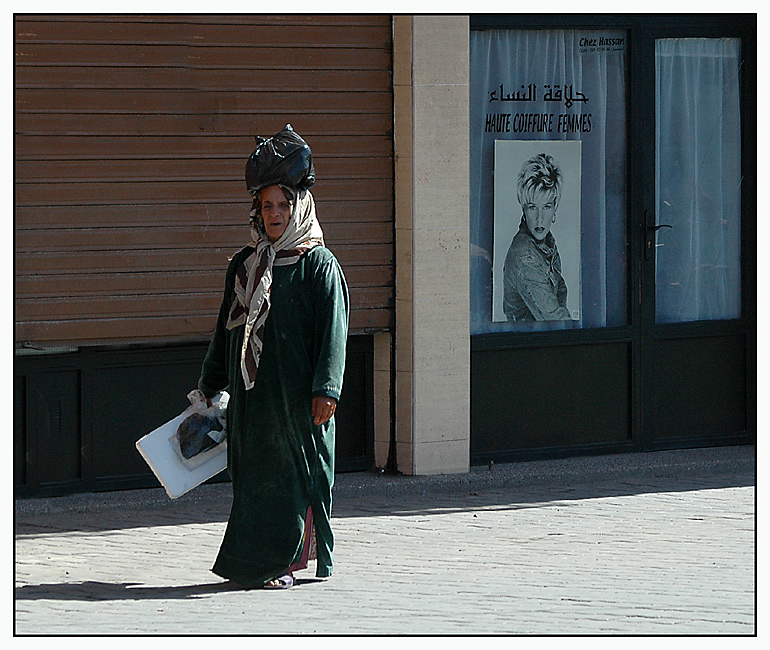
x=131, y=136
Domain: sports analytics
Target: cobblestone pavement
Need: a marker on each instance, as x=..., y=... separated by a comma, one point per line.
x=659, y=543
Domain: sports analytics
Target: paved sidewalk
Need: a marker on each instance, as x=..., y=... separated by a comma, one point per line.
x=659, y=543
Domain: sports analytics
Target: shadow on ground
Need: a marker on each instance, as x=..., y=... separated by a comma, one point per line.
x=95, y=591
x=517, y=485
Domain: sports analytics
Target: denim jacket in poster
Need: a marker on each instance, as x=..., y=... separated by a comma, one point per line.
x=533, y=287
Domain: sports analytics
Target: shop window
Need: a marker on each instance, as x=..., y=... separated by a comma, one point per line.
x=548, y=253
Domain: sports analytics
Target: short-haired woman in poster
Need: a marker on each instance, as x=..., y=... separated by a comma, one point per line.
x=533, y=286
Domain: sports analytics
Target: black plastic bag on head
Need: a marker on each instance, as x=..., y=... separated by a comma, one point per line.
x=284, y=159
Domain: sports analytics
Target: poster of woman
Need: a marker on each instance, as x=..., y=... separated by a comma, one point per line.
x=536, y=256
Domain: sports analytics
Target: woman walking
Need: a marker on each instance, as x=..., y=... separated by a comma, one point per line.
x=279, y=350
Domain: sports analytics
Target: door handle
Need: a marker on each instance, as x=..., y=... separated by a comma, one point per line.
x=652, y=227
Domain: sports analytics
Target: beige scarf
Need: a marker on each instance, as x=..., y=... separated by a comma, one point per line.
x=254, y=278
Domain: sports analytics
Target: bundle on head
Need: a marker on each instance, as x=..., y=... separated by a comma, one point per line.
x=285, y=159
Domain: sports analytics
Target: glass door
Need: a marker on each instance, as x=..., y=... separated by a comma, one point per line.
x=694, y=333
x=697, y=229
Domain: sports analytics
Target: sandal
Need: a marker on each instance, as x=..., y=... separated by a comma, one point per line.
x=283, y=582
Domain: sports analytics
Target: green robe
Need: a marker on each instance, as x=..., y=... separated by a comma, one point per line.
x=281, y=463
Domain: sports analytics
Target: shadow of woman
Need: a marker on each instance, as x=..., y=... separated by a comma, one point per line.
x=92, y=590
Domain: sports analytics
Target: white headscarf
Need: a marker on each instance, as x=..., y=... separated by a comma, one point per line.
x=254, y=278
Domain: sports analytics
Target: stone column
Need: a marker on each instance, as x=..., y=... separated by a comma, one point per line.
x=432, y=252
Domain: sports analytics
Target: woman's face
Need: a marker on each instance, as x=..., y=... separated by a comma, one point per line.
x=276, y=212
x=540, y=213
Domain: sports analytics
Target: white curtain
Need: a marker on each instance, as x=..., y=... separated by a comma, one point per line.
x=515, y=59
x=698, y=270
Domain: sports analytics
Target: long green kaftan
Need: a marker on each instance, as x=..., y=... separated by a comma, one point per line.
x=279, y=461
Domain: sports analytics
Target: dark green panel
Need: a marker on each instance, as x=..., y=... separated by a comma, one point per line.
x=19, y=432
x=354, y=416
x=538, y=397
x=700, y=387
x=126, y=393
x=54, y=415
x=132, y=398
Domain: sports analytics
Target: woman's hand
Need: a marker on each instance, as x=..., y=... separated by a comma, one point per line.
x=323, y=409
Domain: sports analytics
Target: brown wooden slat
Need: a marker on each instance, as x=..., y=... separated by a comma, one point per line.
x=160, y=328
x=312, y=127
x=29, y=171
x=362, y=320
x=119, y=306
x=280, y=59
x=225, y=80
x=126, y=305
x=120, y=239
x=151, y=102
x=225, y=214
x=199, y=145
x=129, y=261
x=245, y=34
x=370, y=297
x=177, y=259
x=116, y=240
x=195, y=327
x=267, y=20
x=192, y=191
x=63, y=284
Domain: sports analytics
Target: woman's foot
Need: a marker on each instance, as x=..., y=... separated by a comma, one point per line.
x=281, y=582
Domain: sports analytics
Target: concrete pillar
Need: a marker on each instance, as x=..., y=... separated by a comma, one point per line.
x=431, y=70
